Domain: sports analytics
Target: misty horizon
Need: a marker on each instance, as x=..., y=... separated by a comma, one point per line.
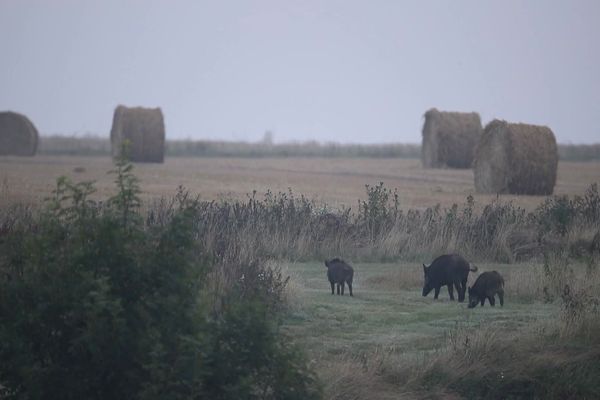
x=331, y=72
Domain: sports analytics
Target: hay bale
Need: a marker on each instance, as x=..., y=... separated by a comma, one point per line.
x=18, y=136
x=516, y=159
x=144, y=128
x=449, y=139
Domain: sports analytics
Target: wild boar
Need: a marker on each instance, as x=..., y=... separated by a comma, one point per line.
x=338, y=272
x=486, y=286
x=448, y=269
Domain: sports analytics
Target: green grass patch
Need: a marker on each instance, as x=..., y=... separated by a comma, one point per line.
x=388, y=318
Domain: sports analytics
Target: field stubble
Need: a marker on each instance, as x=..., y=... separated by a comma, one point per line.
x=337, y=182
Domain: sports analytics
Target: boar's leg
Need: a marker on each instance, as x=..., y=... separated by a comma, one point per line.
x=492, y=300
x=437, y=292
x=350, y=287
x=464, y=289
x=482, y=301
x=342, y=285
x=460, y=290
x=332, y=285
x=451, y=291
x=501, y=297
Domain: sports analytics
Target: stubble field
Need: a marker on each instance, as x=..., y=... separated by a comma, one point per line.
x=337, y=182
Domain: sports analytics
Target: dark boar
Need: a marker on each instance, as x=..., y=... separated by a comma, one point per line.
x=486, y=286
x=449, y=269
x=338, y=272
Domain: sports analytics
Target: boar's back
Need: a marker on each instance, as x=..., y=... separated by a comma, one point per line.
x=488, y=281
x=448, y=268
x=338, y=270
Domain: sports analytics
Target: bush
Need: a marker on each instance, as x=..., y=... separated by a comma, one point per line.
x=94, y=304
x=378, y=213
x=248, y=358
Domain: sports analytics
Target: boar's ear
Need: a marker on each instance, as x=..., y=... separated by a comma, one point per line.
x=424, y=268
x=326, y=263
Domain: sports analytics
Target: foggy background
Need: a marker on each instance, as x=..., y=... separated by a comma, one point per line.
x=345, y=71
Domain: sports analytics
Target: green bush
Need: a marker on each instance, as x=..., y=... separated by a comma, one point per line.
x=94, y=304
x=379, y=212
x=249, y=359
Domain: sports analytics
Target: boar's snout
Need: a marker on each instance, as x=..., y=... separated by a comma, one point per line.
x=427, y=286
x=473, y=299
x=426, y=290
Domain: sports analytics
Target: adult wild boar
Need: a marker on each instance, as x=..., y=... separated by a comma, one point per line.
x=338, y=272
x=451, y=270
x=487, y=285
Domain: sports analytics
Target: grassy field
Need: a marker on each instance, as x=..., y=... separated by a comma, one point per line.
x=388, y=311
x=337, y=181
x=387, y=341
x=373, y=345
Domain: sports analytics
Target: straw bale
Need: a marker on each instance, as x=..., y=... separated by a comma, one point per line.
x=144, y=128
x=18, y=135
x=516, y=159
x=449, y=139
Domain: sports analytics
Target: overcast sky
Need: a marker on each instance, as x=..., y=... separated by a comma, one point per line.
x=346, y=71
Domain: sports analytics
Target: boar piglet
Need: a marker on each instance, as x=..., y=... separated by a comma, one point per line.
x=487, y=285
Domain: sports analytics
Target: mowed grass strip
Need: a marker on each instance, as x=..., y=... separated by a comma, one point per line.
x=388, y=314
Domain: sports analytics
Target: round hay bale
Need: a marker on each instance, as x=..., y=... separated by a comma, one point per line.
x=449, y=139
x=18, y=136
x=516, y=159
x=144, y=128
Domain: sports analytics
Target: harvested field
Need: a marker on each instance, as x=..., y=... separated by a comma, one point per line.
x=339, y=181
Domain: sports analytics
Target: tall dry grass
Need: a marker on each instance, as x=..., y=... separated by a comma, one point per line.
x=287, y=226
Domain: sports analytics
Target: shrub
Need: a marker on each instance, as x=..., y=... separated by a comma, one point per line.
x=95, y=304
x=248, y=358
x=378, y=213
